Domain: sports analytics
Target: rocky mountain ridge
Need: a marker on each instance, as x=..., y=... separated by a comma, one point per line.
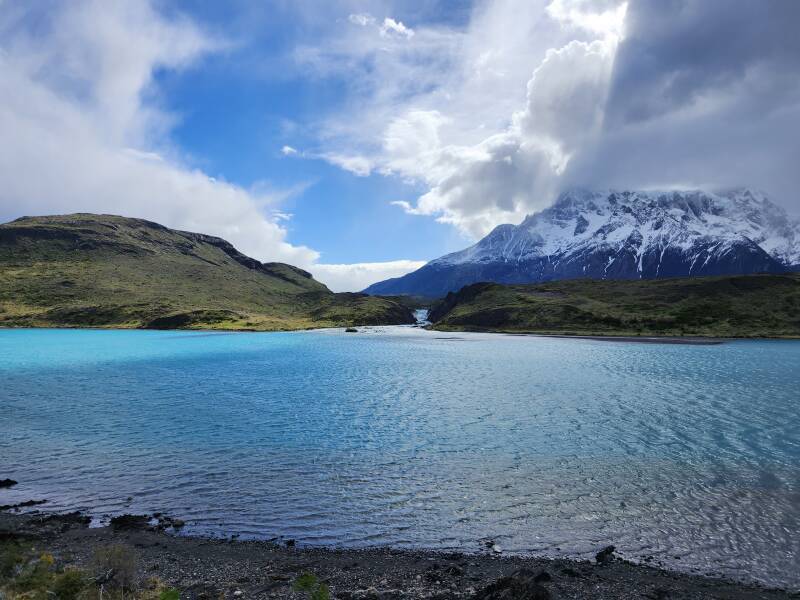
x=621, y=235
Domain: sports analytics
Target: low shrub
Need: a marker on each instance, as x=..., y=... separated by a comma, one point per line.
x=69, y=584
x=114, y=567
x=312, y=586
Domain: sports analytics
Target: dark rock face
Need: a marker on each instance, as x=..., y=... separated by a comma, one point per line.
x=434, y=280
x=186, y=319
x=628, y=235
x=465, y=294
x=128, y=521
x=605, y=555
x=154, y=522
x=521, y=585
x=7, y=483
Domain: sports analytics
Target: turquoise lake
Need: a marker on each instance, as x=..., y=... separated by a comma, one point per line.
x=408, y=438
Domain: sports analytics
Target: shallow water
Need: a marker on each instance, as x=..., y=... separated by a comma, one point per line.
x=409, y=438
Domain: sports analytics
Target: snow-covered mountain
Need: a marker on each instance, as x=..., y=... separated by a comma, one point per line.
x=621, y=235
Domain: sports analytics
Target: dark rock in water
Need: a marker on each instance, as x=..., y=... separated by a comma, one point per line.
x=605, y=555
x=165, y=522
x=127, y=521
x=7, y=483
x=70, y=518
x=22, y=504
x=351, y=330
x=520, y=585
x=290, y=543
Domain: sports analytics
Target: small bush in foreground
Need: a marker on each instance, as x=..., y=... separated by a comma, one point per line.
x=312, y=586
x=69, y=584
x=169, y=594
x=114, y=567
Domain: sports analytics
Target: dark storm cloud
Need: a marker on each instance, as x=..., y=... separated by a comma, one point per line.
x=703, y=93
x=676, y=51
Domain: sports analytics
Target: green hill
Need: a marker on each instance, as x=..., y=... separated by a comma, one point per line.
x=86, y=270
x=738, y=306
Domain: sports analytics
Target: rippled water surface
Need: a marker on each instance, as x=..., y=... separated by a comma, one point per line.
x=403, y=437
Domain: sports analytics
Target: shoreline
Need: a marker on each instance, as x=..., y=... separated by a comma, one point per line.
x=645, y=339
x=203, y=567
x=688, y=341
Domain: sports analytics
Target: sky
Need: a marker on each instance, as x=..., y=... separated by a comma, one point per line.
x=359, y=139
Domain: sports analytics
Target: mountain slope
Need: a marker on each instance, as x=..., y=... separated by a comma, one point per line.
x=738, y=306
x=621, y=235
x=102, y=270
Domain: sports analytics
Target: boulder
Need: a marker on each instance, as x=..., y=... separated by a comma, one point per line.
x=605, y=555
x=520, y=585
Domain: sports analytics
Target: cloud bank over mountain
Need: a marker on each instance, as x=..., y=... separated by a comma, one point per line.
x=534, y=97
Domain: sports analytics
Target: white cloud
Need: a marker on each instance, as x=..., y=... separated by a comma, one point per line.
x=79, y=135
x=487, y=118
x=607, y=21
x=81, y=130
x=356, y=277
x=392, y=27
x=358, y=165
x=407, y=207
x=532, y=96
x=512, y=172
x=389, y=27
x=362, y=19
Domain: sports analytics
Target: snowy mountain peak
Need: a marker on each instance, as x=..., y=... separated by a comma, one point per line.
x=623, y=234
x=642, y=221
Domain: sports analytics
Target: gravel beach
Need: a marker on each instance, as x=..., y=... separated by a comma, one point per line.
x=213, y=568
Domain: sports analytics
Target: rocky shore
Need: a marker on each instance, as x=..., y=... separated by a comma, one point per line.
x=198, y=568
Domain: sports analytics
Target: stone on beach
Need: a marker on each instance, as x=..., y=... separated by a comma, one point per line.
x=520, y=585
x=605, y=555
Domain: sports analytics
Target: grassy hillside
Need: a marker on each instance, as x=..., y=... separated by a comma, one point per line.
x=108, y=271
x=738, y=306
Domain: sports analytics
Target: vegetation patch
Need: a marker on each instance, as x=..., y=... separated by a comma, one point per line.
x=738, y=306
x=29, y=574
x=313, y=588
x=88, y=270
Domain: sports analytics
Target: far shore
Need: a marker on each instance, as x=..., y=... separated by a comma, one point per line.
x=607, y=337
x=225, y=568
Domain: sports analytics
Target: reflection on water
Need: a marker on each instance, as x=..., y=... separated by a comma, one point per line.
x=399, y=436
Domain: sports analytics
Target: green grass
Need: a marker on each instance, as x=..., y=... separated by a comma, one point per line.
x=27, y=573
x=107, y=271
x=737, y=306
x=312, y=587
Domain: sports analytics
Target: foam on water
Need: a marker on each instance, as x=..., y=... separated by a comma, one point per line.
x=409, y=438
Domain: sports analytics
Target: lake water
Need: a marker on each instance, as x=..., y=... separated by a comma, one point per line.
x=403, y=437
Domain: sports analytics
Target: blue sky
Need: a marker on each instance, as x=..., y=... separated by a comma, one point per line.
x=235, y=123
x=235, y=128
x=360, y=138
